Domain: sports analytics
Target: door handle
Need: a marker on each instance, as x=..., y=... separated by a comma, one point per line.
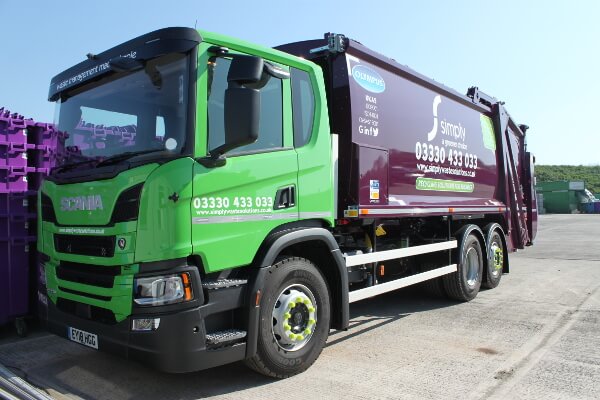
x=285, y=197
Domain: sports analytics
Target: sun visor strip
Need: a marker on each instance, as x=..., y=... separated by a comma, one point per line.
x=151, y=45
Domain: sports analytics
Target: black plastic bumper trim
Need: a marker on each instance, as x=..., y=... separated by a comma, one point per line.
x=177, y=346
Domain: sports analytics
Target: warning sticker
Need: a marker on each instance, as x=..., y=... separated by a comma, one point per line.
x=374, y=189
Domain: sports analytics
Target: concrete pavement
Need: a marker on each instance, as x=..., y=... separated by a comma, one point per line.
x=536, y=336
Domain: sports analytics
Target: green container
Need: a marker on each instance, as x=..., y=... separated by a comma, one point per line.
x=561, y=197
x=560, y=185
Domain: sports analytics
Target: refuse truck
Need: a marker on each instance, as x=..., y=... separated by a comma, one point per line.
x=218, y=201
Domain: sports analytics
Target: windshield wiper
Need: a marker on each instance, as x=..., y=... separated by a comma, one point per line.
x=68, y=167
x=124, y=156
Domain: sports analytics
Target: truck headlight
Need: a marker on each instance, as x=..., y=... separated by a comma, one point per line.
x=161, y=290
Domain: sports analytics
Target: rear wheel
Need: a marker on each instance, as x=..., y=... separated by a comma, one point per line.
x=464, y=284
x=294, y=319
x=495, y=264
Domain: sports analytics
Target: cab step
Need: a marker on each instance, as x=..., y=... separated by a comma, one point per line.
x=225, y=338
x=223, y=283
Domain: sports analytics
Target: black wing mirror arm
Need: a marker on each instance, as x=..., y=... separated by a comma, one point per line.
x=215, y=159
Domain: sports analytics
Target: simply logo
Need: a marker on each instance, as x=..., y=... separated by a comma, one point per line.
x=436, y=102
x=447, y=128
x=81, y=203
x=368, y=78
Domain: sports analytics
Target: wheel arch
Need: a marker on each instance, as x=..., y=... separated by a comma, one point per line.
x=463, y=233
x=315, y=244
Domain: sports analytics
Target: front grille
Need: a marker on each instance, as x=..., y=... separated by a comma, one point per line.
x=83, y=294
x=93, y=275
x=86, y=311
x=98, y=246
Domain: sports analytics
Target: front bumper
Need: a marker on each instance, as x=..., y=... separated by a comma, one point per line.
x=178, y=345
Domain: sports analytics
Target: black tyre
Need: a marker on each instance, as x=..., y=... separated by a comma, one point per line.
x=294, y=319
x=435, y=288
x=495, y=263
x=464, y=284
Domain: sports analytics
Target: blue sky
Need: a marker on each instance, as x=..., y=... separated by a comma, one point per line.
x=542, y=58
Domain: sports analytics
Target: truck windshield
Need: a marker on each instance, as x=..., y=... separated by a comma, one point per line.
x=128, y=113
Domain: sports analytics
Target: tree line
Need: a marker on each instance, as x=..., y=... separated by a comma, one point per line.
x=589, y=174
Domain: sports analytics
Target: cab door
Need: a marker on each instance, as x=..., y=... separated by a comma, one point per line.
x=235, y=206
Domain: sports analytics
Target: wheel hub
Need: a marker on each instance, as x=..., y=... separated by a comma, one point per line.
x=297, y=318
x=498, y=256
x=294, y=317
x=472, y=269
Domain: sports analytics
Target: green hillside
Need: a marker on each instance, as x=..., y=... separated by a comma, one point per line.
x=590, y=175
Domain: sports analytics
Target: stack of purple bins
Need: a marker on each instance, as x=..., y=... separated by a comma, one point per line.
x=28, y=151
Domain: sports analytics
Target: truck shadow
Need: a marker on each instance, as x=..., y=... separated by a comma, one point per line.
x=371, y=314
x=365, y=316
x=76, y=370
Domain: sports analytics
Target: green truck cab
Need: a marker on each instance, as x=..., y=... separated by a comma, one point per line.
x=143, y=227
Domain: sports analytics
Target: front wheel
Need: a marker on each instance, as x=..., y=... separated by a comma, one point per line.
x=294, y=319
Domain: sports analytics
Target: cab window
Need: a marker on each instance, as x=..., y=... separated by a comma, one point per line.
x=303, y=106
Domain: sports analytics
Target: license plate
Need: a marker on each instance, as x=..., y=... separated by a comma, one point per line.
x=83, y=337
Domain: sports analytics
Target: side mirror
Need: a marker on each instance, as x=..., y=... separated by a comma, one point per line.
x=245, y=70
x=242, y=107
x=242, y=115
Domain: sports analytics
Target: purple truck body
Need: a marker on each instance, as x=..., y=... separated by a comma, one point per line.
x=410, y=146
